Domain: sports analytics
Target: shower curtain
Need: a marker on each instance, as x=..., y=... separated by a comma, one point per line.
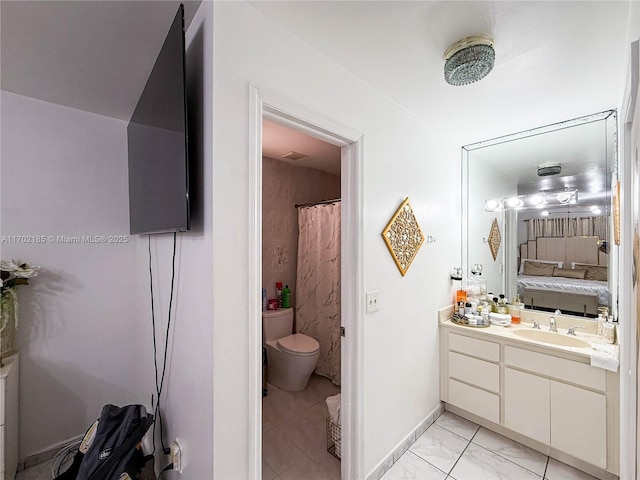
x=318, y=283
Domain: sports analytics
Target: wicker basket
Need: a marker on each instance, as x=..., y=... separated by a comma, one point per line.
x=333, y=438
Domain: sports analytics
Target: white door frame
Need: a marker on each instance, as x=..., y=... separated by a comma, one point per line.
x=265, y=104
x=628, y=322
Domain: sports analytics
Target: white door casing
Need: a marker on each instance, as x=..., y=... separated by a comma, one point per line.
x=271, y=106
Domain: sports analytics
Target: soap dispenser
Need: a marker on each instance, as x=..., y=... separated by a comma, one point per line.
x=602, y=319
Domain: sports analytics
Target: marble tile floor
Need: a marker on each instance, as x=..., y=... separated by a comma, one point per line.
x=456, y=449
x=294, y=445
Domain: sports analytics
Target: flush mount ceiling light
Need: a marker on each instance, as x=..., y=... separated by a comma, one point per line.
x=549, y=168
x=469, y=60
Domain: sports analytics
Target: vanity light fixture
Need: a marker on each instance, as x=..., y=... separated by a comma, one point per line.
x=568, y=196
x=469, y=60
x=544, y=213
x=534, y=200
x=514, y=202
x=493, y=204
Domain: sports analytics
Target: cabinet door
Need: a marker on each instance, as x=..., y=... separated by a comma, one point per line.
x=526, y=404
x=579, y=423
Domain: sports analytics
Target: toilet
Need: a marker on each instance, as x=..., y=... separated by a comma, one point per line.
x=291, y=358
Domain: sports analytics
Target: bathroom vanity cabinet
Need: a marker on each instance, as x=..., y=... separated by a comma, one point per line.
x=550, y=399
x=9, y=417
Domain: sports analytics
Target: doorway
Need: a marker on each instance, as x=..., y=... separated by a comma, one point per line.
x=300, y=260
x=268, y=106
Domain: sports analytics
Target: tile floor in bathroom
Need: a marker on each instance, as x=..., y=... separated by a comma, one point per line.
x=294, y=447
x=456, y=449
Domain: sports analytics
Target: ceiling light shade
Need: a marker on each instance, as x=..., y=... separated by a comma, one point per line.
x=549, y=168
x=469, y=60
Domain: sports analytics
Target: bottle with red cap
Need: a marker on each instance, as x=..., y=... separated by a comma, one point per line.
x=279, y=293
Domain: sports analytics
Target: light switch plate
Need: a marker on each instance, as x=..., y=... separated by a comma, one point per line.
x=372, y=301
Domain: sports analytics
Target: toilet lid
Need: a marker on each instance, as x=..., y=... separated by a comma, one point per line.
x=299, y=344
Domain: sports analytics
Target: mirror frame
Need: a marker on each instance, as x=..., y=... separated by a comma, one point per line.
x=611, y=135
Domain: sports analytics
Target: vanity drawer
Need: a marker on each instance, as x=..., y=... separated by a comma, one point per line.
x=474, y=371
x=554, y=367
x=473, y=346
x=474, y=400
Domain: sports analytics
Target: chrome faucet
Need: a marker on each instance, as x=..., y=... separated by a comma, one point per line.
x=572, y=330
x=552, y=324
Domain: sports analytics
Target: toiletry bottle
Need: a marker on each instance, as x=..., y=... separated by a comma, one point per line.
x=264, y=300
x=286, y=297
x=502, y=305
x=600, y=325
x=494, y=304
x=468, y=308
x=461, y=296
x=279, y=293
x=603, y=317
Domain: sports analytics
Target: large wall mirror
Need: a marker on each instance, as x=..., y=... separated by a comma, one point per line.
x=537, y=218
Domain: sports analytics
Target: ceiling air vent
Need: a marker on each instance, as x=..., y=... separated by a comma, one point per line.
x=294, y=155
x=546, y=169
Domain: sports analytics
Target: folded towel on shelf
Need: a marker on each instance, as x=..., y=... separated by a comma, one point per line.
x=605, y=356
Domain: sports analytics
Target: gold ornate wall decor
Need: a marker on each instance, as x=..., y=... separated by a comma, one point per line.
x=494, y=239
x=616, y=214
x=403, y=236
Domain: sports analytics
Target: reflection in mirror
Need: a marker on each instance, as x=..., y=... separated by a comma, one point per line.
x=549, y=191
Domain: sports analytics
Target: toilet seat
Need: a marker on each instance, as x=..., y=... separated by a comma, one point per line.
x=299, y=344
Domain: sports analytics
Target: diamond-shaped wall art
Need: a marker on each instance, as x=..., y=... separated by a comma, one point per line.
x=494, y=239
x=403, y=236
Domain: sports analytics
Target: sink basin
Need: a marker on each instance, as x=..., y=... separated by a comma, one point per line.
x=552, y=337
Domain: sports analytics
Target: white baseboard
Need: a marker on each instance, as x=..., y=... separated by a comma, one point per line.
x=393, y=456
x=46, y=454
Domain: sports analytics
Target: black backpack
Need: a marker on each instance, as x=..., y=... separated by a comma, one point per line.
x=110, y=449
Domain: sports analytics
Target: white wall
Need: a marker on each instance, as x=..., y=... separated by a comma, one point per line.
x=64, y=172
x=186, y=402
x=85, y=336
x=403, y=157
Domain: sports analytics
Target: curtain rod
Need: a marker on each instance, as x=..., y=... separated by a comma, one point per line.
x=301, y=205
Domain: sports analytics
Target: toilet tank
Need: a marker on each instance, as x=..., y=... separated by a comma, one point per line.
x=277, y=324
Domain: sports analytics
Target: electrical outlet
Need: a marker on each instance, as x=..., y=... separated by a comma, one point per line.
x=176, y=456
x=372, y=301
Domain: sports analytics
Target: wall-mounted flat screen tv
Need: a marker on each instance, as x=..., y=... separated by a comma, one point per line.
x=157, y=143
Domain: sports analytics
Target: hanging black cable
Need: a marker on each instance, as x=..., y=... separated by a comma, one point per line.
x=155, y=362
x=160, y=384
